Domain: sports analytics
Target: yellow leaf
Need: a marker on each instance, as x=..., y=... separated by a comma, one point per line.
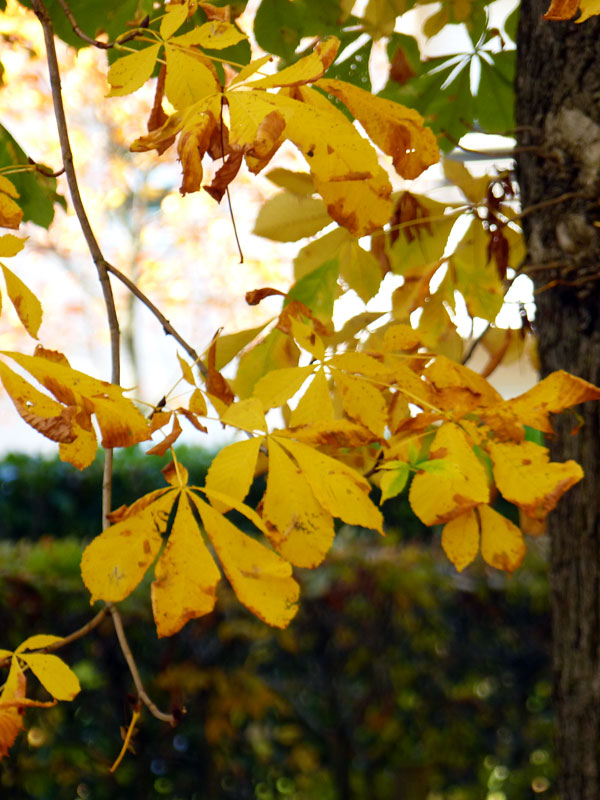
x=360, y=270
x=55, y=676
x=477, y=278
x=525, y=476
x=315, y=403
x=287, y=217
x=188, y=79
x=275, y=351
x=278, y=386
x=337, y=433
x=26, y=304
x=38, y=641
x=185, y=575
x=45, y=415
x=306, y=70
x=346, y=171
x=459, y=387
x=10, y=213
x=129, y=73
x=231, y=344
x=261, y=579
x=402, y=338
x=362, y=401
x=461, y=486
x=296, y=182
x=588, y=8
x=197, y=404
x=8, y=187
x=246, y=414
x=323, y=249
x=474, y=189
x=460, y=539
x=364, y=364
x=121, y=423
x=175, y=16
x=502, y=544
x=423, y=228
x=82, y=450
x=11, y=245
x=186, y=370
x=554, y=394
x=213, y=35
x=299, y=528
x=342, y=491
x=397, y=130
x=249, y=70
x=115, y=562
x=232, y=470
x=307, y=338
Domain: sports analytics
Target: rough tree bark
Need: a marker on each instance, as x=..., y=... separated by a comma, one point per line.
x=558, y=111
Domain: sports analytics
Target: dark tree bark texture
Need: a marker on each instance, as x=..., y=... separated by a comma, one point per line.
x=558, y=112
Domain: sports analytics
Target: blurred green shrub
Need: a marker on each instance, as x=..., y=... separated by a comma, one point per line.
x=398, y=679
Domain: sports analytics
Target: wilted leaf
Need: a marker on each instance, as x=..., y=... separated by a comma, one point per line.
x=397, y=130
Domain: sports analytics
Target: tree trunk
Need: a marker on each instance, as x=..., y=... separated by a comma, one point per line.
x=558, y=112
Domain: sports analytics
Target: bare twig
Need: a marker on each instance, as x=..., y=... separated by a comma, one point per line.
x=72, y=637
x=142, y=694
x=95, y=42
x=552, y=201
x=167, y=327
x=475, y=343
x=63, y=133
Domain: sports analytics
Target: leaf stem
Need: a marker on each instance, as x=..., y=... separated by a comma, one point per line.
x=72, y=637
x=95, y=42
x=126, y=650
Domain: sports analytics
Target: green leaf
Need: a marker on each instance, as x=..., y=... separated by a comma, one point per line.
x=393, y=481
x=355, y=68
x=37, y=192
x=278, y=27
x=318, y=290
x=287, y=217
x=495, y=100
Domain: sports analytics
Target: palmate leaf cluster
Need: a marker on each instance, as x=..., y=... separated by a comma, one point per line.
x=323, y=413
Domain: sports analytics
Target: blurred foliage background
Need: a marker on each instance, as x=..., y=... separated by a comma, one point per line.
x=398, y=680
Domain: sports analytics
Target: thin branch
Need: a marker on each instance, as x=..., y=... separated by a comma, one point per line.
x=95, y=42
x=46, y=171
x=67, y=156
x=167, y=327
x=466, y=358
x=562, y=198
x=72, y=637
x=142, y=694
